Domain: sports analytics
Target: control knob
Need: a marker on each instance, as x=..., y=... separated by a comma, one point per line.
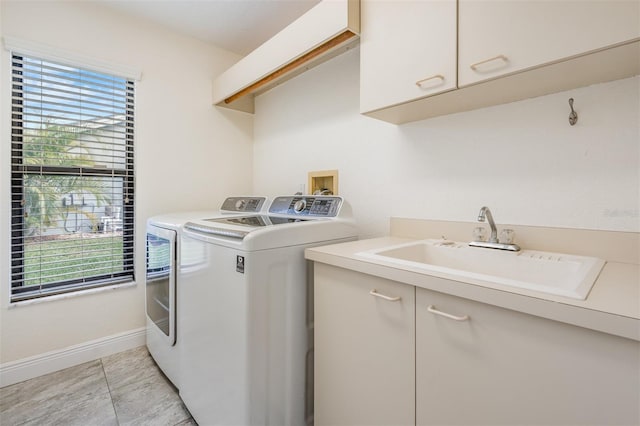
x=300, y=205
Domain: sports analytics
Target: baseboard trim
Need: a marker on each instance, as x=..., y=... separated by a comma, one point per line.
x=38, y=365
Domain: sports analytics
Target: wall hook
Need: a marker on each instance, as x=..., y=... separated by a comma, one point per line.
x=573, y=117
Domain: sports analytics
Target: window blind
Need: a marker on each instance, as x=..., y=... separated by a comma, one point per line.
x=72, y=178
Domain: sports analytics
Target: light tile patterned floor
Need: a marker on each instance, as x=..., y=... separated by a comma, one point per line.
x=127, y=388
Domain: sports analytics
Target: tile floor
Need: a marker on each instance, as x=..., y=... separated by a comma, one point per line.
x=127, y=388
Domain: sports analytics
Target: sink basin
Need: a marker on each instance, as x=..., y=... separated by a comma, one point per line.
x=552, y=273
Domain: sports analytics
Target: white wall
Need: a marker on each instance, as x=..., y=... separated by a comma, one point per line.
x=523, y=159
x=188, y=155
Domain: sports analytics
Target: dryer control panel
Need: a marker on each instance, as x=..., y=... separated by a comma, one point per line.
x=314, y=206
x=243, y=204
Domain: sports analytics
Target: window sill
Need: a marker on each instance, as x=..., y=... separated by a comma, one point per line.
x=79, y=293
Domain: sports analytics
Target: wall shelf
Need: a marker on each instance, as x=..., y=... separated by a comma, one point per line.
x=328, y=29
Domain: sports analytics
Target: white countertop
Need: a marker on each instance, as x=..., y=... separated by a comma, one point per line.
x=612, y=306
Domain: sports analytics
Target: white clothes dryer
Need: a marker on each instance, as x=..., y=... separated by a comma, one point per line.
x=163, y=255
x=246, y=328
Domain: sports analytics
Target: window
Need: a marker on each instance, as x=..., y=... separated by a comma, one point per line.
x=72, y=183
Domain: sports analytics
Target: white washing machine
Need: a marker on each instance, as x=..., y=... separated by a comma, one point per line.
x=246, y=330
x=163, y=255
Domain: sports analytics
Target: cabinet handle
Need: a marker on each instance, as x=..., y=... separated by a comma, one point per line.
x=433, y=310
x=433, y=77
x=382, y=296
x=501, y=57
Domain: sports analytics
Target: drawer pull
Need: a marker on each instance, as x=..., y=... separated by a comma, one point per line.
x=486, y=61
x=382, y=296
x=433, y=77
x=433, y=310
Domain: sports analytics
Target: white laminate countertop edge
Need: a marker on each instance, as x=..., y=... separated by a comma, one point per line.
x=612, y=306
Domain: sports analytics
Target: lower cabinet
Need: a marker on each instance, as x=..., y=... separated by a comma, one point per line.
x=495, y=366
x=364, y=349
x=404, y=355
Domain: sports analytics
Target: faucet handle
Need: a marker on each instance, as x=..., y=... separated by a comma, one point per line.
x=480, y=233
x=507, y=236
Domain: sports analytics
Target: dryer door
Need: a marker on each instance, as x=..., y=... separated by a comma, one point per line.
x=161, y=280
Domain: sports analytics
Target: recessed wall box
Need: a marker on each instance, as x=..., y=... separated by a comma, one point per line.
x=324, y=182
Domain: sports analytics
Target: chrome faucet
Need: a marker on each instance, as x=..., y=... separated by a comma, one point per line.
x=493, y=242
x=485, y=212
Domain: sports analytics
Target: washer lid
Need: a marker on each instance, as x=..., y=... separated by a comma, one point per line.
x=256, y=220
x=240, y=226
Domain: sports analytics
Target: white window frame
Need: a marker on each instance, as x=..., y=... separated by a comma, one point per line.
x=19, y=293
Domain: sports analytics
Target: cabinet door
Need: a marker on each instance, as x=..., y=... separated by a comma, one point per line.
x=364, y=349
x=502, y=367
x=407, y=50
x=499, y=37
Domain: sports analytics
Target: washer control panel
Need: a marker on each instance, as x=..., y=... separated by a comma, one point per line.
x=299, y=205
x=243, y=204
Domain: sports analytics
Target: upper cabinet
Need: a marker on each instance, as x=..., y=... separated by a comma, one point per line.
x=408, y=51
x=505, y=36
x=502, y=51
x=329, y=28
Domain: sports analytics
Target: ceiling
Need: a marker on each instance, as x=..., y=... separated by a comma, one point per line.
x=235, y=25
